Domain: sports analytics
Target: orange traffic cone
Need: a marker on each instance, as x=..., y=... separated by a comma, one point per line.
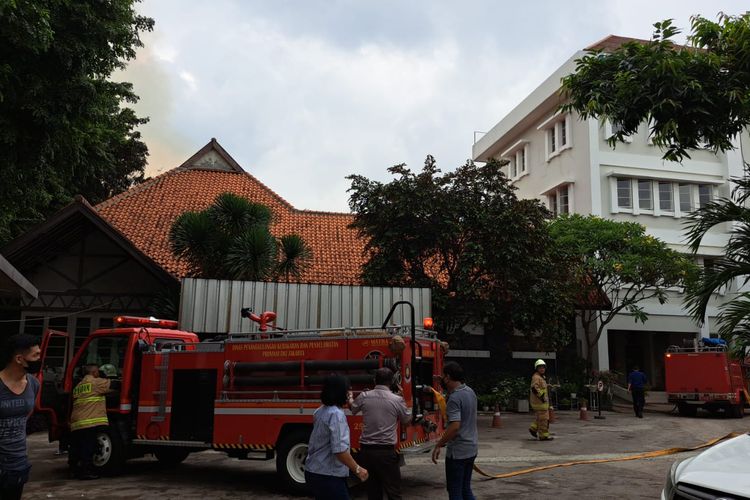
x=584, y=413
x=496, y=422
x=552, y=416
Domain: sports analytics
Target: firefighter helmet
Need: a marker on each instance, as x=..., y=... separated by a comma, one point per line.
x=108, y=370
x=539, y=362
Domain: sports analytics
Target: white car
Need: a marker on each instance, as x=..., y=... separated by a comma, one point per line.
x=722, y=472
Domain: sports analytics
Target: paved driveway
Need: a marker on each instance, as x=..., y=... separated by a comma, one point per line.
x=212, y=475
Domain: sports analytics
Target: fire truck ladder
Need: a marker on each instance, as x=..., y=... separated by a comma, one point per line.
x=416, y=411
x=161, y=393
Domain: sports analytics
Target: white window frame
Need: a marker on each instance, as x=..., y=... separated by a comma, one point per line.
x=710, y=194
x=512, y=154
x=676, y=211
x=608, y=132
x=552, y=128
x=555, y=192
x=637, y=193
x=658, y=210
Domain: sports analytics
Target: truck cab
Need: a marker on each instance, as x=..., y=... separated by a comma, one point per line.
x=118, y=352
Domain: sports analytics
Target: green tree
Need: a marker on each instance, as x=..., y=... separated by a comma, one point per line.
x=486, y=255
x=620, y=261
x=231, y=240
x=688, y=94
x=64, y=126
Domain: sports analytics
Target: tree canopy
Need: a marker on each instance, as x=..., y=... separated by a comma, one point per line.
x=690, y=95
x=621, y=261
x=231, y=240
x=64, y=126
x=486, y=255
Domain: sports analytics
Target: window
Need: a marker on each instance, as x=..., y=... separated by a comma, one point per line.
x=552, y=140
x=564, y=202
x=704, y=194
x=708, y=264
x=610, y=129
x=645, y=195
x=666, y=203
x=104, y=351
x=624, y=193
x=521, y=161
x=686, y=198
x=516, y=156
x=553, y=203
x=557, y=130
x=559, y=199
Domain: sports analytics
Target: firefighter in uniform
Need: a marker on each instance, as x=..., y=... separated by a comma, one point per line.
x=89, y=415
x=539, y=399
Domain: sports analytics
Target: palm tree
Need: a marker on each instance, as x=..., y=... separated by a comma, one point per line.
x=231, y=240
x=734, y=265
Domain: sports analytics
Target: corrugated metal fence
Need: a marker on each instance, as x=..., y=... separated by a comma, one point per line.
x=213, y=306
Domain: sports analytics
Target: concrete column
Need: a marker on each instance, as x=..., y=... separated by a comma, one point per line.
x=602, y=351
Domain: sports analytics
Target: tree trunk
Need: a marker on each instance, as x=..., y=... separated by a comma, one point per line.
x=589, y=337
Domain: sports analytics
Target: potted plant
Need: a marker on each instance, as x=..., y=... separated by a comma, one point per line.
x=520, y=393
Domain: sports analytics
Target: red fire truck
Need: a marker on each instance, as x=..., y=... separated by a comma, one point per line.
x=251, y=395
x=705, y=376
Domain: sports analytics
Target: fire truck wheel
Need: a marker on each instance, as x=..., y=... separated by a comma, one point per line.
x=109, y=457
x=736, y=411
x=687, y=410
x=171, y=455
x=290, y=460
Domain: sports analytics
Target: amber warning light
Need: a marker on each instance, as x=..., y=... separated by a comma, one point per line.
x=138, y=321
x=428, y=324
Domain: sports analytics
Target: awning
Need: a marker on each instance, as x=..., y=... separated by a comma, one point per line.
x=13, y=283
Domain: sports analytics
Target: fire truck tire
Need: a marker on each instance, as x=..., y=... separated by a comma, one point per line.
x=171, y=455
x=687, y=410
x=290, y=460
x=109, y=457
x=736, y=411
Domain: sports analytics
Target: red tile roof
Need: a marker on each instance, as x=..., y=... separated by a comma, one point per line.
x=145, y=213
x=613, y=42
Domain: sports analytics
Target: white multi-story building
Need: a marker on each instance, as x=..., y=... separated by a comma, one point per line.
x=567, y=164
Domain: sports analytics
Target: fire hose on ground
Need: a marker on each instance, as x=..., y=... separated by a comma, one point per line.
x=649, y=454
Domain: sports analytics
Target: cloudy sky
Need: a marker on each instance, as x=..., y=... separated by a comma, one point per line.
x=304, y=93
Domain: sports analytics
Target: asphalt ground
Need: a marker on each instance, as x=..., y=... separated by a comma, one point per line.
x=212, y=475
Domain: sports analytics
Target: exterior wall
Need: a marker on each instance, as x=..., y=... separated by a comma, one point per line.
x=213, y=306
x=544, y=173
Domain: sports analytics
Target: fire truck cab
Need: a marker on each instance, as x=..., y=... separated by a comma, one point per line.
x=251, y=395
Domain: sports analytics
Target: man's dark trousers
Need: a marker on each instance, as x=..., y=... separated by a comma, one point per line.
x=639, y=400
x=83, y=449
x=382, y=464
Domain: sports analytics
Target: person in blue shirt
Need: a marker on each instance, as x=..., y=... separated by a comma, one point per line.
x=636, y=386
x=328, y=459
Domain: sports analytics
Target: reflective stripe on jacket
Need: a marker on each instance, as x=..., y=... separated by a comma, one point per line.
x=89, y=403
x=536, y=396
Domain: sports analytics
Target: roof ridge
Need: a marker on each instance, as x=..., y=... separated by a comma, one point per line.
x=271, y=191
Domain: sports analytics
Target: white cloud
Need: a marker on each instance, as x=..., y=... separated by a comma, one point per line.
x=189, y=79
x=304, y=94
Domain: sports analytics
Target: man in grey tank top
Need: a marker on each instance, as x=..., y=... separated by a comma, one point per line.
x=18, y=391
